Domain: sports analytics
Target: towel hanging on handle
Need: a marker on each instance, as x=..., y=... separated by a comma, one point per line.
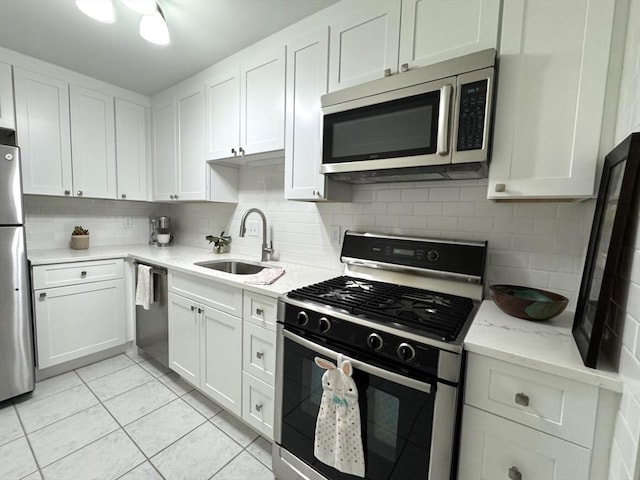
x=144, y=288
x=338, y=437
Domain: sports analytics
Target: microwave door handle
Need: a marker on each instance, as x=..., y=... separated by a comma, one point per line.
x=443, y=120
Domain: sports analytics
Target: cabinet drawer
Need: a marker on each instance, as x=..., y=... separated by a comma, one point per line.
x=259, y=352
x=215, y=294
x=552, y=404
x=257, y=405
x=260, y=310
x=62, y=274
x=492, y=447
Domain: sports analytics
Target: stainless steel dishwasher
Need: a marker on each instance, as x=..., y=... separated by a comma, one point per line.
x=152, y=326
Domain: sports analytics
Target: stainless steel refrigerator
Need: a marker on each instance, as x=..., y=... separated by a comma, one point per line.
x=16, y=325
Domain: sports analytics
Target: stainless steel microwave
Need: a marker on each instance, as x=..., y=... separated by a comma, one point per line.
x=431, y=123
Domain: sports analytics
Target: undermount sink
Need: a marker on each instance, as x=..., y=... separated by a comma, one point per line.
x=236, y=267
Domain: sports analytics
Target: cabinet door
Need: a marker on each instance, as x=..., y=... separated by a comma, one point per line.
x=7, y=115
x=222, y=122
x=492, y=447
x=78, y=320
x=262, y=101
x=131, y=150
x=553, y=73
x=364, y=44
x=192, y=181
x=93, y=143
x=307, y=61
x=184, y=338
x=164, y=150
x=222, y=360
x=436, y=30
x=43, y=133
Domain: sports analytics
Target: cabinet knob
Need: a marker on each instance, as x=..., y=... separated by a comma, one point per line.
x=43, y=295
x=259, y=311
x=501, y=187
x=175, y=196
x=83, y=274
x=404, y=67
x=522, y=399
x=258, y=407
x=79, y=193
x=387, y=72
x=67, y=192
x=123, y=196
x=241, y=151
x=514, y=473
x=193, y=309
x=233, y=150
x=200, y=310
x=259, y=354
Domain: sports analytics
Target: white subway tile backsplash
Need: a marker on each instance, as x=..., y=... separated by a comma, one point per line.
x=475, y=224
x=443, y=224
x=519, y=226
x=427, y=208
x=459, y=209
x=533, y=244
x=389, y=195
x=444, y=194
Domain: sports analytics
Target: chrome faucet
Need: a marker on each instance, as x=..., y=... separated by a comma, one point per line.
x=266, y=249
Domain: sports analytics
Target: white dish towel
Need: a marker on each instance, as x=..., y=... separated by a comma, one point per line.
x=338, y=440
x=266, y=276
x=144, y=288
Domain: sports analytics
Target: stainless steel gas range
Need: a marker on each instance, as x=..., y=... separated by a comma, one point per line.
x=399, y=314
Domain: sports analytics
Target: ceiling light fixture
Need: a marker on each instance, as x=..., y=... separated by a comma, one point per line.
x=100, y=10
x=154, y=29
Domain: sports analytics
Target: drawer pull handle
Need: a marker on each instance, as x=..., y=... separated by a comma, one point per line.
x=193, y=309
x=259, y=354
x=200, y=310
x=259, y=311
x=514, y=473
x=43, y=295
x=258, y=407
x=83, y=274
x=522, y=399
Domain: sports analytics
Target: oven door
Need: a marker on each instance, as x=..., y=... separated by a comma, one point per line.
x=400, y=417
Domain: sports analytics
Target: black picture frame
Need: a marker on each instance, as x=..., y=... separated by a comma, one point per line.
x=617, y=196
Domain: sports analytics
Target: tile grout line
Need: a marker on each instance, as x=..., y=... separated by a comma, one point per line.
x=26, y=437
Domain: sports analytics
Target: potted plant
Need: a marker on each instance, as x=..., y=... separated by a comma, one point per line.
x=79, y=238
x=220, y=243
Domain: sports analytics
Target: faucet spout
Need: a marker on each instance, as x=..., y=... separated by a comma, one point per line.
x=266, y=249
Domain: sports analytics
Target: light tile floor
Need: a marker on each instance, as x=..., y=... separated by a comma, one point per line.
x=125, y=418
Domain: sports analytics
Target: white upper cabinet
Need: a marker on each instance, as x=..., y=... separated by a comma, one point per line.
x=131, y=150
x=364, y=44
x=192, y=168
x=7, y=115
x=43, y=133
x=93, y=143
x=164, y=149
x=222, y=122
x=245, y=105
x=307, y=67
x=554, y=59
x=435, y=30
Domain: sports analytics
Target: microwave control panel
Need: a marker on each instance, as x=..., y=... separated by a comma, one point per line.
x=473, y=107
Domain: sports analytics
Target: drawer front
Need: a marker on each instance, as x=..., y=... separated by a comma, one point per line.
x=215, y=294
x=495, y=448
x=257, y=405
x=260, y=310
x=259, y=352
x=552, y=404
x=63, y=274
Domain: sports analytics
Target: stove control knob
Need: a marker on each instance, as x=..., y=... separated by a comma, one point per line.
x=375, y=342
x=302, y=318
x=433, y=255
x=325, y=324
x=406, y=352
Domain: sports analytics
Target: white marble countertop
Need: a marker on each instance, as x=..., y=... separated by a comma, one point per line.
x=182, y=258
x=545, y=346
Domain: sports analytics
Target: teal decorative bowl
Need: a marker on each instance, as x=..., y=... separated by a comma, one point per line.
x=528, y=303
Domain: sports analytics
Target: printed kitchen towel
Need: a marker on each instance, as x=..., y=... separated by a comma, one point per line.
x=266, y=276
x=144, y=288
x=338, y=440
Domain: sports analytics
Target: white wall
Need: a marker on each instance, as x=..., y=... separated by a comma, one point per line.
x=625, y=453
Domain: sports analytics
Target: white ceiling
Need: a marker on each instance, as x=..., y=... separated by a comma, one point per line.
x=202, y=33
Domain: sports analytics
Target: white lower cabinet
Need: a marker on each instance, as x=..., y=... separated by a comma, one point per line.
x=205, y=343
x=521, y=424
x=493, y=447
x=83, y=316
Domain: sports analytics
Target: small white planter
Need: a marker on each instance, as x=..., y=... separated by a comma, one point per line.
x=79, y=242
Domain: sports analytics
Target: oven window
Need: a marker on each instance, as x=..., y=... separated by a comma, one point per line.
x=396, y=420
x=403, y=127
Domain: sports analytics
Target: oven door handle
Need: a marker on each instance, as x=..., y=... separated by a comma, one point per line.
x=365, y=367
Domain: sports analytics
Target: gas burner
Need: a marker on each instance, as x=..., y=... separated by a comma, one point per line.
x=358, y=284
